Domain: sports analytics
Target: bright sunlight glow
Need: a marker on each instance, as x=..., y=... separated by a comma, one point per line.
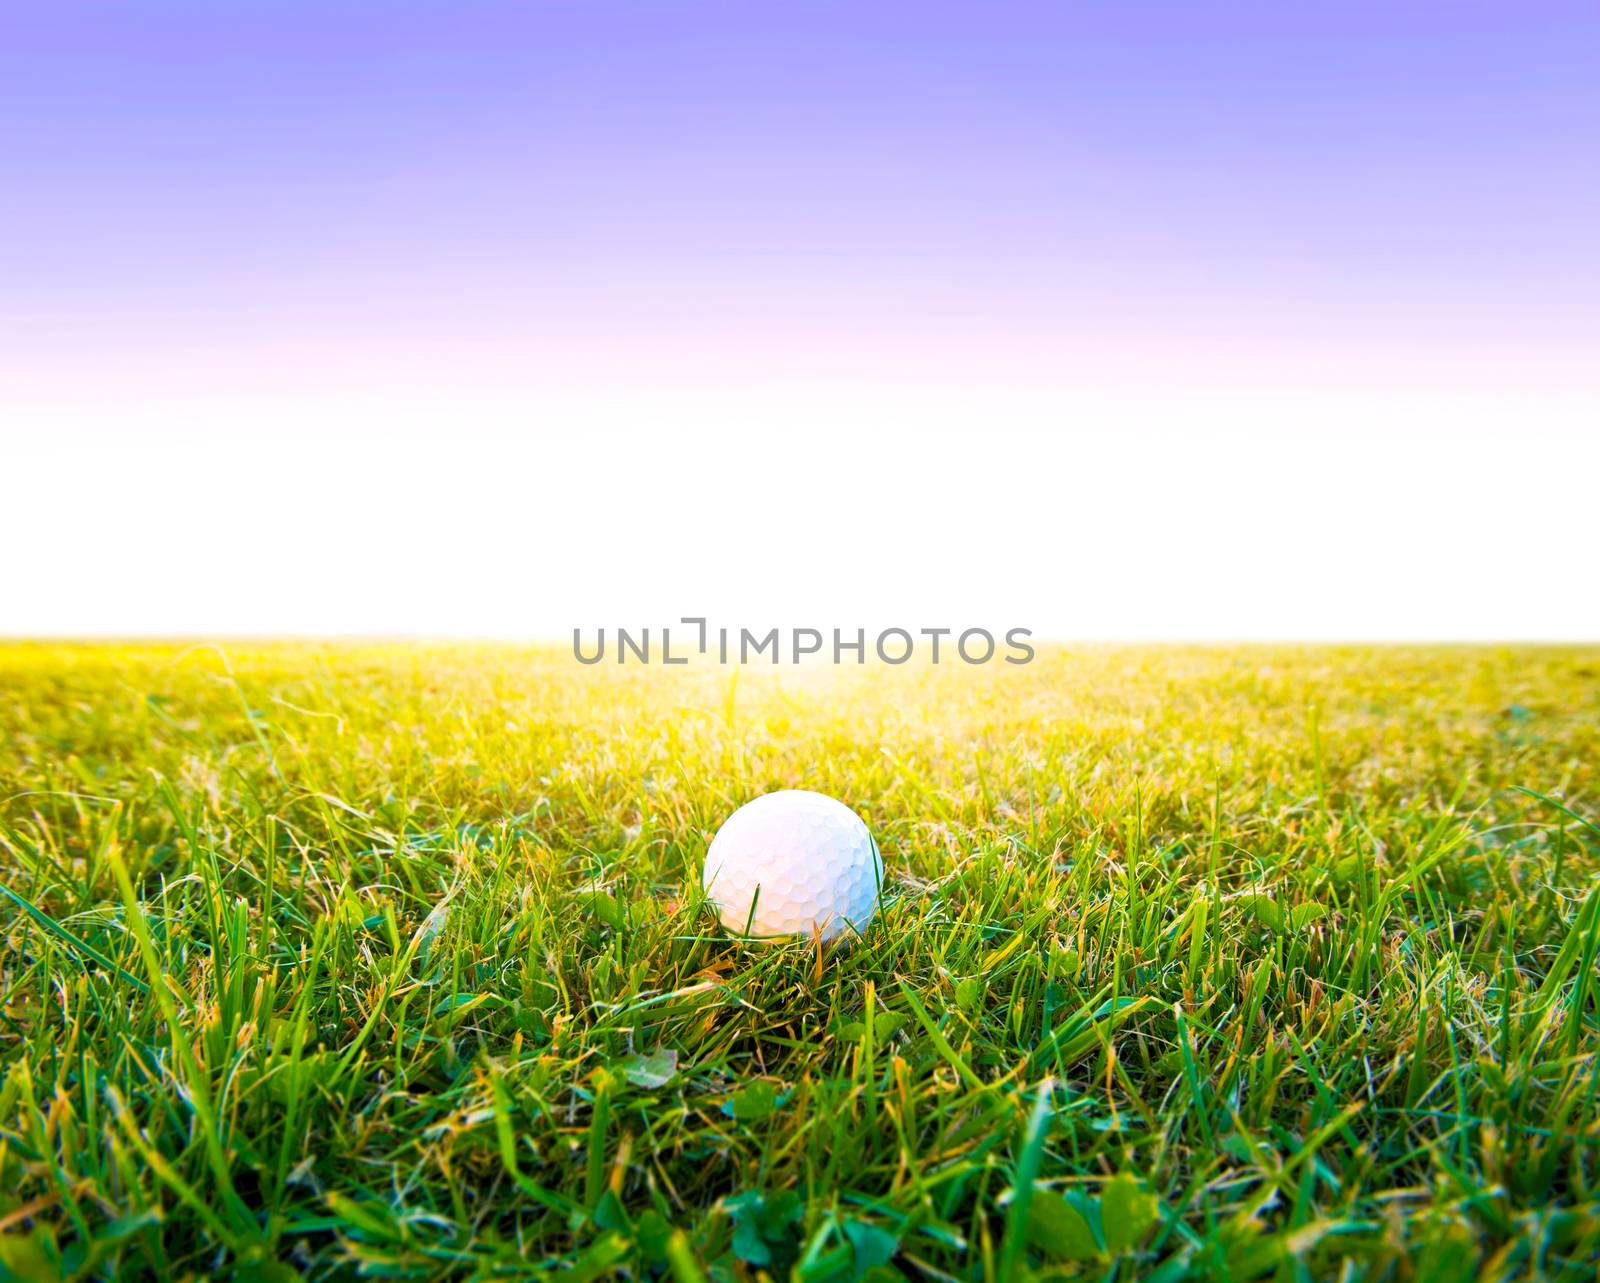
x=1108, y=512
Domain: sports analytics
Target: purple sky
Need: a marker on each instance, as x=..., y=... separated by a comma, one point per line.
x=1028, y=188
x=1130, y=319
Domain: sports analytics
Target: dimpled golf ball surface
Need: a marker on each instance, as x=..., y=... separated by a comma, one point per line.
x=810, y=858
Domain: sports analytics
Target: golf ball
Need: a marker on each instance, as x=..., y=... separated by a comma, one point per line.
x=792, y=861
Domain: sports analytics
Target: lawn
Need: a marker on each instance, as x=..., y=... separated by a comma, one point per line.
x=1225, y=963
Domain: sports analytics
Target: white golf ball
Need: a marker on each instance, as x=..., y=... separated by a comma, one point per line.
x=792, y=861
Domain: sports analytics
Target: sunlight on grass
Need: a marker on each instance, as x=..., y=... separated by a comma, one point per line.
x=1222, y=962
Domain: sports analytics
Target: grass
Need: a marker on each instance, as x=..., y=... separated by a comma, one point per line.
x=1218, y=963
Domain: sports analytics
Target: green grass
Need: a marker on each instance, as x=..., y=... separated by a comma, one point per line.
x=1218, y=963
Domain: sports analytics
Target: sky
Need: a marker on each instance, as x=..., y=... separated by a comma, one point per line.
x=1126, y=321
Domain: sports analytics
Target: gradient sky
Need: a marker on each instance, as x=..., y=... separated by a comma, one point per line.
x=486, y=229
